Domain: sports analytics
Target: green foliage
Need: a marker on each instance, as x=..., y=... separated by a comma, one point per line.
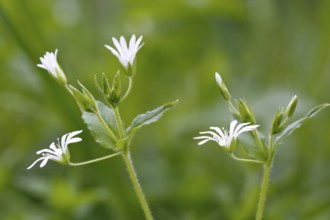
x=149, y=117
x=96, y=128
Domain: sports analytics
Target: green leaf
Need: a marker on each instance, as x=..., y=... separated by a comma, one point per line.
x=293, y=126
x=96, y=128
x=149, y=117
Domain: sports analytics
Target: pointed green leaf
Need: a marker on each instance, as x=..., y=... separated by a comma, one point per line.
x=293, y=126
x=96, y=128
x=149, y=117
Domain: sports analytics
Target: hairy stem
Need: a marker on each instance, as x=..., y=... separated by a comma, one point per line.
x=263, y=191
x=136, y=185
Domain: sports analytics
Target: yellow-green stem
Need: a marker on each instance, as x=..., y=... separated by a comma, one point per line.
x=136, y=185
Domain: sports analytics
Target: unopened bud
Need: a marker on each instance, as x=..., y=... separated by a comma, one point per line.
x=245, y=111
x=277, y=122
x=115, y=93
x=291, y=106
x=84, y=99
x=223, y=89
x=105, y=85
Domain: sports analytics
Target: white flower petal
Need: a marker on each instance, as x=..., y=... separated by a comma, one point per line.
x=118, y=46
x=113, y=51
x=125, y=53
x=206, y=140
x=46, y=150
x=58, y=152
x=220, y=132
x=232, y=127
x=238, y=128
x=247, y=128
x=43, y=163
x=36, y=161
x=132, y=42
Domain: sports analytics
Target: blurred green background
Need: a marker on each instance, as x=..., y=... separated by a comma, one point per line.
x=266, y=51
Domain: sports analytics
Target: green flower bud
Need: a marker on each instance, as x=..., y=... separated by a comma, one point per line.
x=223, y=89
x=245, y=111
x=84, y=99
x=291, y=106
x=115, y=93
x=105, y=85
x=277, y=126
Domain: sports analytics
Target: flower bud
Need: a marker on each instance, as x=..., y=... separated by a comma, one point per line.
x=245, y=111
x=277, y=126
x=105, y=85
x=291, y=106
x=115, y=93
x=84, y=99
x=223, y=89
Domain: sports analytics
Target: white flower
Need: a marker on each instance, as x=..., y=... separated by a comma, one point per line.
x=49, y=63
x=58, y=151
x=223, y=137
x=126, y=55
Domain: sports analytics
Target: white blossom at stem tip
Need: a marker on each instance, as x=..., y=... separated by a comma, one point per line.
x=58, y=151
x=49, y=63
x=126, y=52
x=222, y=136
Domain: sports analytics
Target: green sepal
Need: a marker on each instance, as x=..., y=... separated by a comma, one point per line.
x=246, y=114
x=84, y=98
x=105, y=85
x=115, y=92
x=277, y=125
x=149, y=117
x=97, y=130
x=290, y=109
x=293, y=126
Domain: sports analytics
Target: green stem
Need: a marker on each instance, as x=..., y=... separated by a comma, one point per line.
x=94, y=160
x=263, y=191
x=246, y=160
x=231, y=106
x=259, y=143
x=119, y=122
x=136, y=185
x=112, y=135
x=130, y=84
